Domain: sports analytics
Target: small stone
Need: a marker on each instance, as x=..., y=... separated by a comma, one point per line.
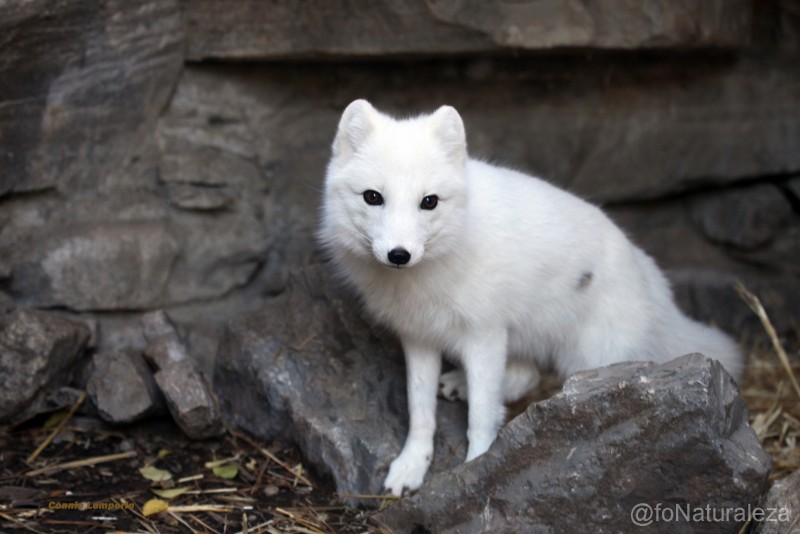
x=157, y=324
x=189, y=400
x=164, y=352
x=122, y=387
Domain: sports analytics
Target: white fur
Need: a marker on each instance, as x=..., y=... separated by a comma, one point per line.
x=506, y=273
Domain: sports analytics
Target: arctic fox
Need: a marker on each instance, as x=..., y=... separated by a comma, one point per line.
x=498, y=270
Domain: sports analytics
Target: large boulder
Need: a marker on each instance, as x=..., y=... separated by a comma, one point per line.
x=38, y=350
x=308, y=369
x=624, y=446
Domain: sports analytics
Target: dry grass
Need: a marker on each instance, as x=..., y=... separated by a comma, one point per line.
x=771, y=391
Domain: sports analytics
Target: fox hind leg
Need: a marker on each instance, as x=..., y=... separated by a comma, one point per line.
x=521, y=377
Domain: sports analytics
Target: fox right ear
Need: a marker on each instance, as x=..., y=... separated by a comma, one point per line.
x=356, y=124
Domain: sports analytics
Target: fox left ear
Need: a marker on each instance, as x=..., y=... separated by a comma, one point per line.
x=449, y=130
x=355, y=126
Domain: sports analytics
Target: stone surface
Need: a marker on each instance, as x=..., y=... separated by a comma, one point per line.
x=122, y=388
x=308, y=369
x=81, y=83
x=745, y=218
x=165, y=346
x=37, y=352
x=246, y=30
x=628, y=434
x=784, y=498
x=190, y=400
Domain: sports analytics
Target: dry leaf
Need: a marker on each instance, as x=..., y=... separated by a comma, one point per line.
x=154, y=506
x=155, y=474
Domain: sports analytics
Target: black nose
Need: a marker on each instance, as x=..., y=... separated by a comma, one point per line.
x=399, y=256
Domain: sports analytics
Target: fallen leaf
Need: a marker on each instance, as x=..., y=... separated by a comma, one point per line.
x=163, y=452
x=155, y=474
x=154, y=506
x=170, y=493
x=226, y=471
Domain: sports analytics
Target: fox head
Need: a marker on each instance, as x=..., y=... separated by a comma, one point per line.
x=396, y=190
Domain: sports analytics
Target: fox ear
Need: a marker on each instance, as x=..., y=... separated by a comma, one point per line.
x=356, y=124
x=449, y=130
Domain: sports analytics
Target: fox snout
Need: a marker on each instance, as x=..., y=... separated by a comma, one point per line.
x=397, y=253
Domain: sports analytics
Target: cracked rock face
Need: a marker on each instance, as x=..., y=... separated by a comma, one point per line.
x=309, y=369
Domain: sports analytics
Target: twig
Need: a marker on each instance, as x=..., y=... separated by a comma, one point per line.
x=20, y=523
x=271, y=456
x=58, y=429
x=759, y=310
x=81, y=463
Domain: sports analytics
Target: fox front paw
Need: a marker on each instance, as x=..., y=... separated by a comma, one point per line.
x=407, y=472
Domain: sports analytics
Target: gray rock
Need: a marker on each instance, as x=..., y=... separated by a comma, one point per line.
x=629, y=434
x=190, y=400
x=165, y=346
x=782, y=507
x=295, y=29
x=122, y=388
x=37, y=351
x=165, y=352
x=554, y=23
x=83, y=84
x=158, y=324
x=308, y=369
x=745, y=218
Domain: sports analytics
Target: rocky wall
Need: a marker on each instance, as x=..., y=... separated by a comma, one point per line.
x=169, y=155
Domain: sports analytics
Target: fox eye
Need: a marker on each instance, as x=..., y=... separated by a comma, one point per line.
x=373, y=198
x=429, y=202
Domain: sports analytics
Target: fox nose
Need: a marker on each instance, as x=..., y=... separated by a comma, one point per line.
x=399, y=256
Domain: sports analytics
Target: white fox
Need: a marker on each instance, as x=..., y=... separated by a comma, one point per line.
x=498, y=270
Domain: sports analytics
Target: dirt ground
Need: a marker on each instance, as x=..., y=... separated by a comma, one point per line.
x=94, y=478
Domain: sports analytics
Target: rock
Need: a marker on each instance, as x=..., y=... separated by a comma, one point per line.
x=307, y=369
x=122, y=388
x=157, y=324
x=165, y=346
x=165, y=352
x=37, y=351
x=745, y=218
x=551, y=24
x=781, y=506
x=87, y=80
x=625, y=435
x=6, y=303
x=190, y=400
x=220, y=30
